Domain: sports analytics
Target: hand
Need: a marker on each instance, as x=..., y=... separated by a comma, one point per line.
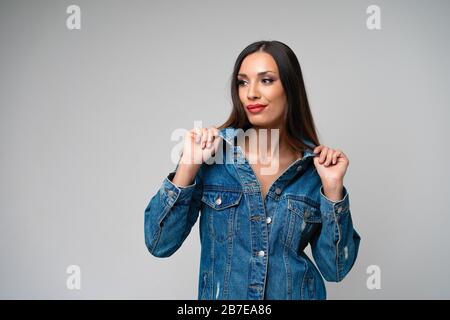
x=200, y=144
x=331, y=165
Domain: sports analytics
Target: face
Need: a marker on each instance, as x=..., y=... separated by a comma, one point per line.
x=259, y=83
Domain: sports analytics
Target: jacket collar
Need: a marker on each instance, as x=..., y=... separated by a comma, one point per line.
x=229, y=134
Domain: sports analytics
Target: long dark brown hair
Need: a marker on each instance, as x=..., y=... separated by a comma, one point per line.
x=298, y=120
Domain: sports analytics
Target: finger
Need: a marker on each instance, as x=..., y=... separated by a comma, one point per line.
x=323, y=154
x=342, y=155
x=329, y=157
x=318, y=148
x=198, y=134
x=190, y=134
x=215, y=144
x=210, y=138
x=335, y=156
x=204, y=137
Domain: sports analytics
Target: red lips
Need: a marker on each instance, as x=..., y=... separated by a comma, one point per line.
x=254, y=108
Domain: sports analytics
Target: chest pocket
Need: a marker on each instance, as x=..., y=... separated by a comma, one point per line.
x=221, y=215
x=302, y=221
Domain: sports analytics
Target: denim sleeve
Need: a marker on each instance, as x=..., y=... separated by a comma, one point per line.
x=170, y=215
x=335, y=247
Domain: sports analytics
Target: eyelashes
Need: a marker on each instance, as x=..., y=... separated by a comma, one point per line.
x=269, y=81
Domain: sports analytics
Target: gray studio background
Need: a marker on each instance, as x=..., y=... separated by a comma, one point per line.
x=86, y=118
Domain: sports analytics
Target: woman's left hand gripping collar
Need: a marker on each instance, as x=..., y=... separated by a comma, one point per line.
x=331, y=164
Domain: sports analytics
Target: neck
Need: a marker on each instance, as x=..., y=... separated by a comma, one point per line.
x=271, y=142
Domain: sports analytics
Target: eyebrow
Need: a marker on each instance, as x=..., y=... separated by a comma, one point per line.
x=259, y=73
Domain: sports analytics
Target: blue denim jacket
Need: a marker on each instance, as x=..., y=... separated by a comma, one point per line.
x=253, y=248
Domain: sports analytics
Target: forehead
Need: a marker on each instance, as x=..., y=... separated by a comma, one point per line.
x=258, y=62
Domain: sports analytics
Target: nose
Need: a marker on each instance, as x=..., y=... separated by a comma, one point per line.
x=252, y=92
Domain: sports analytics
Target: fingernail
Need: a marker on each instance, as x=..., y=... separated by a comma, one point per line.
x=208, y=145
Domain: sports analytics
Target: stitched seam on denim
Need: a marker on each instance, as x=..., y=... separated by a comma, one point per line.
x=230, y=212
x=344, y=199
x=292, y=246
x=211, y=227
x=230, y=224
x=290, y=230
x=251, y=248
x=213, y=261
x=155, y=240
x=313, y=290
x=315, y=218
x=165, y=212
x=337, y=246
x=252, y=268
x=229, y=259
x=304, y=279
x=211, y=187
x=266, y=238
x=304, y=199
x=288, y=274
x=204, y=283
x=287, y=247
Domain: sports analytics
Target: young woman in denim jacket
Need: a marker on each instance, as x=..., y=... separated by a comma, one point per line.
x=255, y=224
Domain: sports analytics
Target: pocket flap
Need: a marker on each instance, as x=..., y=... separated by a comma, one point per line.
x=221, y=199
x=307, y=212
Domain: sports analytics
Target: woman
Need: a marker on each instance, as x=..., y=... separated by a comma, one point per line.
x=255, y=225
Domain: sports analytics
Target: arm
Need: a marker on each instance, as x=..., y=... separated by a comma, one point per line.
x=335, y=247
x=173, y=210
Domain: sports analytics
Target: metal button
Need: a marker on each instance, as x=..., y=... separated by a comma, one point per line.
x=170, y=192
x=299, y=168
x=277, y=190
x=339, y=209
x=218, y=201
x=307, y=214
x=261, y=253
x=268, y=220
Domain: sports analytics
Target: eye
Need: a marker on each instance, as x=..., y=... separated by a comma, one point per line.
x=265, y=81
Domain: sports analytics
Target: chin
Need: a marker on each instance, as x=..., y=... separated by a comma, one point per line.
x=257, y=122
x=262, y=123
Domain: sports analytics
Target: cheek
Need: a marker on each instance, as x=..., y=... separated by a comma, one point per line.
x=276, y=97
x=242, y=95
x=274, y=93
